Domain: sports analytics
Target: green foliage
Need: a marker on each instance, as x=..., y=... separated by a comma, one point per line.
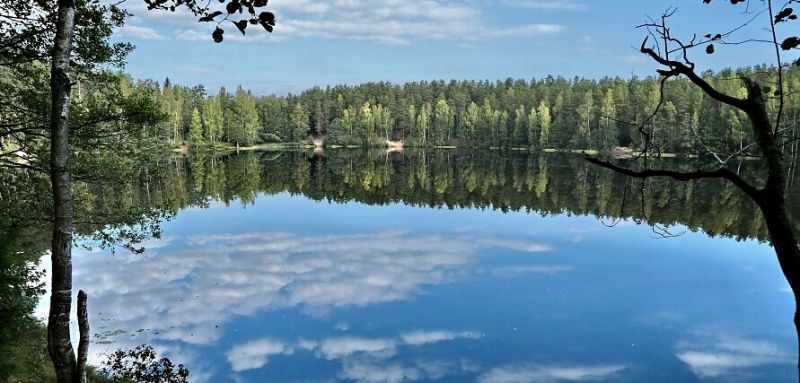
x=28, y=33
x=243, y=119
x=213, y=122
x=269, y=138
x=299, y=122
x=577, y=114
x=141, y=365
x=196, y=128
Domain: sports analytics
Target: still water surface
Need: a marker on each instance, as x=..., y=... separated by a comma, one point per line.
x=280, y=284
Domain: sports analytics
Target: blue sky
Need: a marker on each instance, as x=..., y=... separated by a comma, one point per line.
x=328, y=42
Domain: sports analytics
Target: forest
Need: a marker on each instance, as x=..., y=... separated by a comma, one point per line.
x=92, y=157
x=549, y=113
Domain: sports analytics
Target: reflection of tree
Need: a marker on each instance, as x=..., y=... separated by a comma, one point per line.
x=549, y=184
x=21, y=335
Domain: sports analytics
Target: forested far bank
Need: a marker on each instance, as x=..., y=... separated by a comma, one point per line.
x=549, y=113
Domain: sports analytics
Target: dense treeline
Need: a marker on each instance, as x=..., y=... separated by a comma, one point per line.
x=555, y=113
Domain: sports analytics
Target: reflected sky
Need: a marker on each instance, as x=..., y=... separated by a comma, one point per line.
x=289, y=289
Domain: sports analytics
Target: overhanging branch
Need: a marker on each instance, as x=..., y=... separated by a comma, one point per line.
x=721, y=173
x=679, y=68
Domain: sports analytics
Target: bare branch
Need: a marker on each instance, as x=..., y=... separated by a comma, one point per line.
x=679, y=68
x=721, y=173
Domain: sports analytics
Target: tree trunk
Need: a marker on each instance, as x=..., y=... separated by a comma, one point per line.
x=59, y=344
x=784, y=241
x=772, y=198
x=83, y=345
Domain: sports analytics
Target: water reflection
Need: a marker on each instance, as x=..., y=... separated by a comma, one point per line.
x=184, y=291
x=714, y=355
x=259, y=278
x=521, y=374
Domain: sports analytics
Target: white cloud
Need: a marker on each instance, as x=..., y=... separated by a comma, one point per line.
x=230, y=35
x=396, y=22
x=714, y=356
x=525, y=30
x=197, y=70
x=537, y=269
x=546, y=374
x=632, y=59
x=137, y=32
x=557, y=5
x=254, y=354
x=416, y=338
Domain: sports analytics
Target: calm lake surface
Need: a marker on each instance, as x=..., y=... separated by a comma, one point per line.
x=443, y=266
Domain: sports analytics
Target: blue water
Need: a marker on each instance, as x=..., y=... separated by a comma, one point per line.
x=292, y=290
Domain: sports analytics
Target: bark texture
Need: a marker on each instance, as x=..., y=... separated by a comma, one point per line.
x=59, y=344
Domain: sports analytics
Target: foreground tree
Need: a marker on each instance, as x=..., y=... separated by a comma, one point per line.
x=47, y=32
x=767, y=131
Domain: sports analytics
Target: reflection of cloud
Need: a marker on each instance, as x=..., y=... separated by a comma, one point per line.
x=367, y=371
x=342, y=326
x=425, y=337
x=362, y=359
x=722, y=355
x=252, y=355
x=373, y=370
x=195, y=284
x=538, y=269
x=514, y=245
x=525, y=374
x=334, y=348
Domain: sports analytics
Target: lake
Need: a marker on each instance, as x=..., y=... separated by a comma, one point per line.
x=443, y=266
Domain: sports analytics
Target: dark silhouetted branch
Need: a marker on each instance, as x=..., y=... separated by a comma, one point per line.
x=721, y=173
